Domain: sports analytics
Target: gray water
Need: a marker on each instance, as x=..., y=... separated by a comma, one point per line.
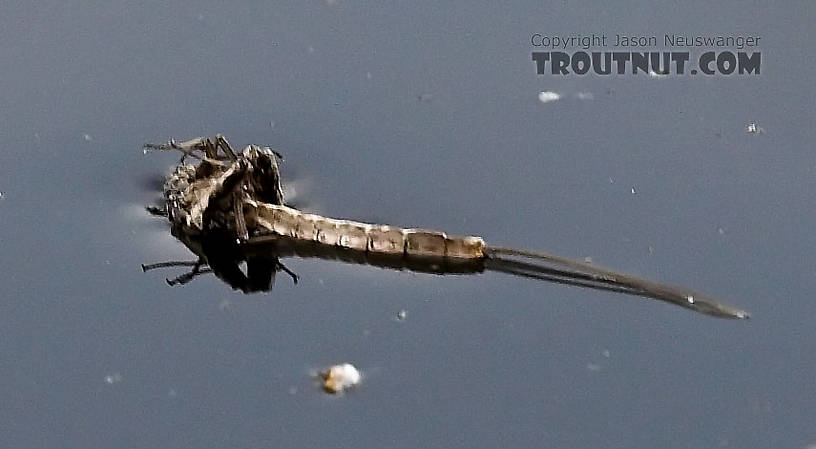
x=416, y=115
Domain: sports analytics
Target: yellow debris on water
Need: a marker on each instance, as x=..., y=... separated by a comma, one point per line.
x=339, y=378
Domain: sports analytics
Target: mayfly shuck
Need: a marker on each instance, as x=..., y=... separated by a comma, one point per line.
x=229, y=208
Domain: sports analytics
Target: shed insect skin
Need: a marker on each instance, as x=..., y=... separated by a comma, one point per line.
x=230, y=208
x=216, y=249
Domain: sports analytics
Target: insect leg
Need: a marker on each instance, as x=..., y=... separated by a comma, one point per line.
x=221, y=141
x=291, y=273
x=184, y=278
x=187, y=277
x=188, y=147
x=153, y=266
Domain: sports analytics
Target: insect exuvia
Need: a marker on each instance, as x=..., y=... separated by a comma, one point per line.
x=229, y=208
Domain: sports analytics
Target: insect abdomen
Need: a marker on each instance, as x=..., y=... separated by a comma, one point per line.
x=364, y=237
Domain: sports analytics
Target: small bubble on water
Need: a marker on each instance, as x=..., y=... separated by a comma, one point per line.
x=548, y=96
x=111, y=379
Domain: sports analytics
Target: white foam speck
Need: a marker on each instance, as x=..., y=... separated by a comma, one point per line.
x=339, y=378
x=548, y=96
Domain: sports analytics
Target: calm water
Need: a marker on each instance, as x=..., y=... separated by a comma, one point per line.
x=413, y=115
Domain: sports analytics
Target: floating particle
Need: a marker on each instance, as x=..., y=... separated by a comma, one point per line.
x=753, y=128
x=606, y=353
x=87, y=137
x=548, y=96
x=340, y=378
x=402, y=315
x=588, y=259
x=111, y=379
x=634, y=192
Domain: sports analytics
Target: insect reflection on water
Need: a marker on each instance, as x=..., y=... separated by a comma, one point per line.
x=229, y=208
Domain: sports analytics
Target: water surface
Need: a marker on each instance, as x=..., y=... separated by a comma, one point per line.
x=417, y=115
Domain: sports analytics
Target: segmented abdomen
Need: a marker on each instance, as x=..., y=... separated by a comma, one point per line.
x=371, y=238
